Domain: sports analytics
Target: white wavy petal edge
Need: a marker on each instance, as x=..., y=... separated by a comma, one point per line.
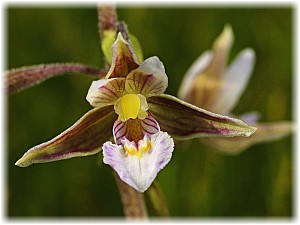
x=140, y=172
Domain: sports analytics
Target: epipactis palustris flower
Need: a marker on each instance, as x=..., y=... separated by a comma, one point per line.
x=209, y=84
x=130, y=107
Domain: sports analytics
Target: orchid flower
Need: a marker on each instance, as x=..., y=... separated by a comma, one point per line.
x=212, y=86
x=130, y=107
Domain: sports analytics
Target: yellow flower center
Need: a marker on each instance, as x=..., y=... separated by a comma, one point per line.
x=131, y=105
x=143, y=148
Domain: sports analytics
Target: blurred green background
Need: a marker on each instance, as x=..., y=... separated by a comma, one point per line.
x=198, y=182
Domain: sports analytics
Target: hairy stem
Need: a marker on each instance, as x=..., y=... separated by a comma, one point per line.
x=21, y=78
x=107, y=17
x=132, y=200
x=107, y=22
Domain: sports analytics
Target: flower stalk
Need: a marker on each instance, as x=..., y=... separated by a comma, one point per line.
x=25, y=77
x=107, y=18
x=133, y=201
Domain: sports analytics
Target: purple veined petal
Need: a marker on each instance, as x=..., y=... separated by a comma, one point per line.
x=235, y=80
x=134, y=130
x=140, y=172
x=106, y=91
x=185, y=121
x=149, y=125
x=84, y=138
x=197, y=68
x=124, y=59
x=149, y=78
x=266, y=132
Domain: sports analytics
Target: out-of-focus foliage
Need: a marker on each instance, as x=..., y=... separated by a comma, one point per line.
x=198, y=181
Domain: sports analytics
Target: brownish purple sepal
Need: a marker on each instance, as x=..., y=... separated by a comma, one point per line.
x=185, y=121
x=84, y=138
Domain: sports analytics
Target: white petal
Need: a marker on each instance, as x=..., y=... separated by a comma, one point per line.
x=159, y=156
x=105, y=91
x=235, y=80
x=149, y=78
x=139, y=172
x=153, y=65
x=195, y=70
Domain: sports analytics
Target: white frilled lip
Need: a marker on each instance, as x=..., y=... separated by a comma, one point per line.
x=148, y=79
x=139, y=171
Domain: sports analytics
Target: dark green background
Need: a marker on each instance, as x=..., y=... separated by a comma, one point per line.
x=198, y=182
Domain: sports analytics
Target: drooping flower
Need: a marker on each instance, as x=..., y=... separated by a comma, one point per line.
x=209, y=84
x=130, y=107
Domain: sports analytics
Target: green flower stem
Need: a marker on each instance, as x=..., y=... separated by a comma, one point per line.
x=107, y=24
x=133, y=201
